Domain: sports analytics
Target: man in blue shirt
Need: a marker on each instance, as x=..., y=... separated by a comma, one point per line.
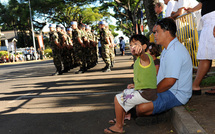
x=174, y=79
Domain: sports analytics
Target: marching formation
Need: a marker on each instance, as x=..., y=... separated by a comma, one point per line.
x=78, y=46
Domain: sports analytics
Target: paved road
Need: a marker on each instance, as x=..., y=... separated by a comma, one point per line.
x=34, y=102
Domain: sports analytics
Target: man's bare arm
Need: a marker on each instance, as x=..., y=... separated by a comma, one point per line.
x=165, y=84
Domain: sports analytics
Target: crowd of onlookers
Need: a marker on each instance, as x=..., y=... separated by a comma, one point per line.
x=26, y=55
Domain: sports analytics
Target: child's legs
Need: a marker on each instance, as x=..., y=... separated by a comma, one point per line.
x=120, y=114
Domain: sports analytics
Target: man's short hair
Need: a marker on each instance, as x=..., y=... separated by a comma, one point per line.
x=160, y=4
x=169, y=25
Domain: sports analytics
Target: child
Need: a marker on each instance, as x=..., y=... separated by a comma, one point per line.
x=144, y=88
x=154, y=52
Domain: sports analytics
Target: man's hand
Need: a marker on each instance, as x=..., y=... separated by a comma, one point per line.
x=130, y=86
x=189, y=10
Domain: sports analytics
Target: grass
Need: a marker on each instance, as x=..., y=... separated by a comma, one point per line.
x=208, y=81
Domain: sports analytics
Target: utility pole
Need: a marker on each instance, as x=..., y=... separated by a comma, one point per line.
x=0, y=37
x=32, y=29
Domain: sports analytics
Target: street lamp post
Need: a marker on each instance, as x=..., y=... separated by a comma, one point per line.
x=0, y=37
x=32, y=29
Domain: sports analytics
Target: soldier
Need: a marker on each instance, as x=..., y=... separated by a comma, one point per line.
x=111, y=37
x=77, y=46
x=56, y=49
x=85, y=47
x=65, y=45
x=71, y=50
x=90, y=48
x=105, y=44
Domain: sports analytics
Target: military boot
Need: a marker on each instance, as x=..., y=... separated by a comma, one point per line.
x=80, y=71
x=107, y=69
x=57, y=73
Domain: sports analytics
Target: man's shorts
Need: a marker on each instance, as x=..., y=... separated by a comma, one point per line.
x=130, y=98
x=165, y=101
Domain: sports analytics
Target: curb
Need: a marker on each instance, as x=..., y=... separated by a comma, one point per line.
x=184, y=123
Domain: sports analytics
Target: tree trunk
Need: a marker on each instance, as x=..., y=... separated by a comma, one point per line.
x=150, y=13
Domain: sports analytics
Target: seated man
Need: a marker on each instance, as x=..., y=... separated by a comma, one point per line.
x=174, y=79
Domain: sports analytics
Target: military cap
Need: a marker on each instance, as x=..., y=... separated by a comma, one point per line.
x=51, y=25
x=69, y=29
x=60, y=25
x=101, y=22
x=74, y=23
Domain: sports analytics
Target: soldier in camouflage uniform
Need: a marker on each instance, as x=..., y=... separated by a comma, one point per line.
x=77, y=46
x=105, y=44
x=71, y=50
x=90, y=48
x=112, y=53
x=65, y=45
x=85, y=47
x=56, y=49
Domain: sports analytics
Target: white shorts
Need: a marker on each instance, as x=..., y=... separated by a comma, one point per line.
x=206, y=49
x=130, y=98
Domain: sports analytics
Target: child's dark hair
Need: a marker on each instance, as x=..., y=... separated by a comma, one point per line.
x=154, y=49
x=143, y=40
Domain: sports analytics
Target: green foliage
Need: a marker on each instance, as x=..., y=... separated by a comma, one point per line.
x=208, y=81
x=48, y=52
x=3, y=53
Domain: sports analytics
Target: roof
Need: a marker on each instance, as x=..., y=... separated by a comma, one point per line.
x=8, y=35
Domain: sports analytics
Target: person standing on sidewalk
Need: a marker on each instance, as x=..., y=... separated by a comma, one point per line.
x=122, y=45
x=206, y=49
x=174, y=79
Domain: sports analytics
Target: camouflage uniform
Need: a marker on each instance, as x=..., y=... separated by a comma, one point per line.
x=71, y=51
x=64, y=52
x=112, y=53
x=89, y=53
x=95, y=50
x=56, y=51
x=104, y=33
x=83, y=66
x=77, y=46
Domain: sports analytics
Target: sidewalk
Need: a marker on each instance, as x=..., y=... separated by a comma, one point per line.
x=195, y=117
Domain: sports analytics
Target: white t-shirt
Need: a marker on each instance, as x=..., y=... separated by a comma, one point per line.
x=187, y=4
x=169, y=8
x=175, y=8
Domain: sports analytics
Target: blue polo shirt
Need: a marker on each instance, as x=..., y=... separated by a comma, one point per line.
x=176, y=63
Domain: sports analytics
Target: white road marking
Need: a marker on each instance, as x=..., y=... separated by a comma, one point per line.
x=20, y=97
x=58, y=79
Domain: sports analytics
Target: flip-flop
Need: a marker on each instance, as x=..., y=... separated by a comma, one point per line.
x=208, y=93
x=113, y=121
x=113, y=132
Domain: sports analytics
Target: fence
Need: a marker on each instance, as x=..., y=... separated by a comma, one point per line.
x=187, y=34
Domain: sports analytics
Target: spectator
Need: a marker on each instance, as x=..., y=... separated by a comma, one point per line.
x=159, y=10
x=154, y=52
x=144, y=88
x=100, y=48
x=122, y=45
x=170, y=5
x=206, y=50
x=182, y=5
x=174, y=79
